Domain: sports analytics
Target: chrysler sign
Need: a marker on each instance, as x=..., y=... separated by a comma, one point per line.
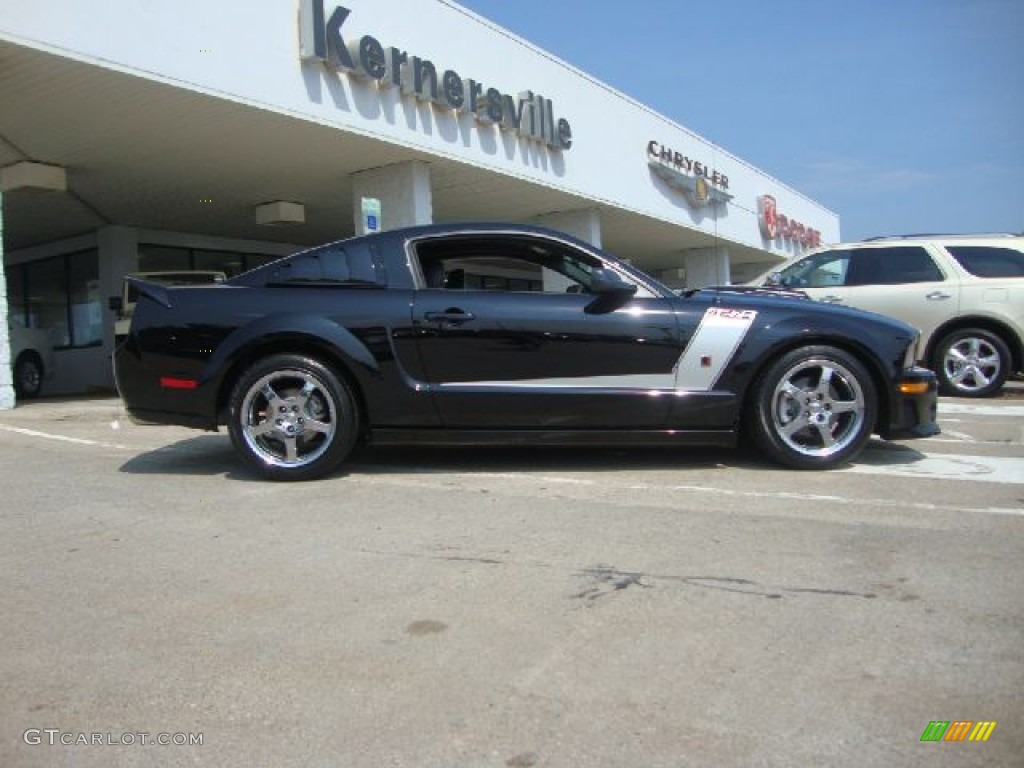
x=700, y=183
x=527, y=114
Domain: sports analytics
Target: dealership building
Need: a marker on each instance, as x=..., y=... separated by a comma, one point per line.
x=195, y=135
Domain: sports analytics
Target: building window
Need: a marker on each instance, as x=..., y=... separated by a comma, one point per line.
x=166, y=258
x=86, y=309
x=162, y=258
x=59, y=295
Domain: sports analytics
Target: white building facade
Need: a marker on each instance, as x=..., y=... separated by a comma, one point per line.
x=217, y=135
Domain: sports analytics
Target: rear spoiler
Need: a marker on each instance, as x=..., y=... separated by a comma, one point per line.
x=154, y=291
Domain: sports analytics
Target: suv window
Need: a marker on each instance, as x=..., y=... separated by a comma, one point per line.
x=987, y=261
x=820, y=270
x=863, y=266
x=892, y=266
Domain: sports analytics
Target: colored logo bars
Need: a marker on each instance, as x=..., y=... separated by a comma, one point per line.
x=958, y=730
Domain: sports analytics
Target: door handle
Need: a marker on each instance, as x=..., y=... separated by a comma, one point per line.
x=450, y=315
x=831, y=299
x=937, y=296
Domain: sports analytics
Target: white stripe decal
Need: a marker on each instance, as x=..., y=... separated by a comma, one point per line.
x=710, y=349
x=650, y=381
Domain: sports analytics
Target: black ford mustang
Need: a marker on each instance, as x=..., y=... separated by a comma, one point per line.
x=496, y=333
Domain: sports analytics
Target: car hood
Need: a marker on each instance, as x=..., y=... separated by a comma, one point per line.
x=754, y=297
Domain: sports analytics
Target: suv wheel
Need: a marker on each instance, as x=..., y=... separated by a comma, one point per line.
x=971, y=362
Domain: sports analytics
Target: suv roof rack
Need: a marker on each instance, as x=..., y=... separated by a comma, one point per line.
x=937, y=235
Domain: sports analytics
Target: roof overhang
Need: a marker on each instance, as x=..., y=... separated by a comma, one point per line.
x=140, y=152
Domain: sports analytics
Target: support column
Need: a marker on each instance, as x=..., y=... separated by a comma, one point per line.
x=706, y=266
x=404, y=192
x=584, y=224
x=118, y=249
x=6, y=382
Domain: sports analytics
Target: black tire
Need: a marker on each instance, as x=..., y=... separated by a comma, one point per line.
x=813, y=409
x=28, y=375
x=971, y=362
x=292, y=418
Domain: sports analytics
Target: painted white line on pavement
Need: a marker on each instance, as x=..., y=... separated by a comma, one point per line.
x=973, y=441
x=424, y=478
x=959, y=437
x=65, y=438
x=819, y=497
x=980, y=410
x=938, y=466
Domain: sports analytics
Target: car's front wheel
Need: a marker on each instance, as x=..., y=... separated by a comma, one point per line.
x=292, y=418
x=28, y=375
x=971, y=362
x=814, y=408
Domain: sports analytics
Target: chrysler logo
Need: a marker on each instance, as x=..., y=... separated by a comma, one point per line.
x=701, y=185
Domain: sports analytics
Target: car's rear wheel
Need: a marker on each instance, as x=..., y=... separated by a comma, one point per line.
x=814, y=408
x=971, y=362
x=28, y=375
x=292, y=418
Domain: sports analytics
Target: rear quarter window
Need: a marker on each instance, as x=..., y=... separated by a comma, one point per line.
x=988, y=261
x=353, y=264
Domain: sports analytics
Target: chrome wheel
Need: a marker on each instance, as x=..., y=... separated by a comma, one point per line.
x=292, y=417
x=971, y=362
x=971, y=365
x=818, y=408
x=288, y=418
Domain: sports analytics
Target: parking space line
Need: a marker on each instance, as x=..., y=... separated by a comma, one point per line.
x=937, y=466
x=958, y=437
x=65, y=438
x=431, y=478
x=1003, y=411
x=830, y=498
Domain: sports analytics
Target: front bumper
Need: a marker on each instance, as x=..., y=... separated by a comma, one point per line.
x=914, y=406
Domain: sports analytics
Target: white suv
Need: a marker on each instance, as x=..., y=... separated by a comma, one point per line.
x=964, y=292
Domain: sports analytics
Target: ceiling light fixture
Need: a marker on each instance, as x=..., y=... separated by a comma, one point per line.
x=280, y=213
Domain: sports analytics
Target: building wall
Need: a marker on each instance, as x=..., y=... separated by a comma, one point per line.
x=6, y=385
x=249, y=51
x=88, y=368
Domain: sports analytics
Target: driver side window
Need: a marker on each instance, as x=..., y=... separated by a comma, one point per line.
x=482, y=263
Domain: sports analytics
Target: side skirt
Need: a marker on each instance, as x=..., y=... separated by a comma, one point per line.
x=723, y=438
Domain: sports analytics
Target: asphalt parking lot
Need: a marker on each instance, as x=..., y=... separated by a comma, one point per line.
x=519, y=608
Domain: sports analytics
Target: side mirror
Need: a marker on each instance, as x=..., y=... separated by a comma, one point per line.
x=773, y=280
x=610, y=292
x=116, y=304
x=606, y=282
